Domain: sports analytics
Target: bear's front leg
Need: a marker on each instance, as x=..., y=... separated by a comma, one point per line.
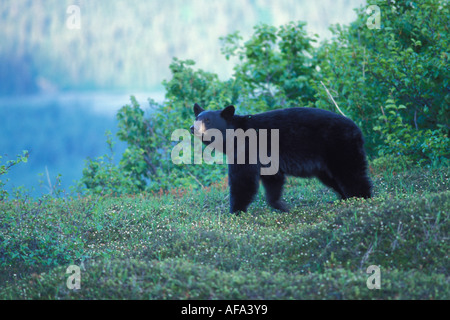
x=244, y=182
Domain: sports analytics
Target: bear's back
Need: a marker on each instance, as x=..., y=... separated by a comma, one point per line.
x=302, y=122
x=308, y=137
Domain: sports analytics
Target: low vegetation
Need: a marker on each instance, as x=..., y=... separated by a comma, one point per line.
x=182, y=244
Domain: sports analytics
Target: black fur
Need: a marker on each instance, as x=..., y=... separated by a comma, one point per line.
x=312, y=143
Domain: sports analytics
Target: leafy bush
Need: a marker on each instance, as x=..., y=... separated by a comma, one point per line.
x=5, y=168
x=402, y=139
x=103, y=176
x=405, y=60
x=275, y=66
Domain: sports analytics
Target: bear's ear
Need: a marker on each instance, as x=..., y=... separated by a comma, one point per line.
x=228, y=112
x=197, y=109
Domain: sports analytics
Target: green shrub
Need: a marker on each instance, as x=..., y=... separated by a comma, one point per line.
x=409, y=144
x=5, y=168
x=275, y=66
x=103, y=176
x=405, y=60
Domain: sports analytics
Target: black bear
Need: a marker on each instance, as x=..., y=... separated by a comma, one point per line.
x=311, y=143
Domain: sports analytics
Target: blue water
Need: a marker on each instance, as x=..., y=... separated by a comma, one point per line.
x=60, y=131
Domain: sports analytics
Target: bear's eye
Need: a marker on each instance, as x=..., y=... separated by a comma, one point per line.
x=206, y=121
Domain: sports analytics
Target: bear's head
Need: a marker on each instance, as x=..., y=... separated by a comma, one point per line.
x=206, y=119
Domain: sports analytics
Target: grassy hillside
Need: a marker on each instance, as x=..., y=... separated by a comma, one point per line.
x=184, y=245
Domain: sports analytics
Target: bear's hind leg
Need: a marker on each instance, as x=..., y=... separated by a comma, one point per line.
x=357, y=185
x=273, y=184
x=331, y=183
x=349, y=170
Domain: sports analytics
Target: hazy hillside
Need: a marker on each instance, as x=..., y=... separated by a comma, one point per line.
x=129, y=44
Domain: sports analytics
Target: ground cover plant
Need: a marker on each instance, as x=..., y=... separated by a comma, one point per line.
x=183, y=245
